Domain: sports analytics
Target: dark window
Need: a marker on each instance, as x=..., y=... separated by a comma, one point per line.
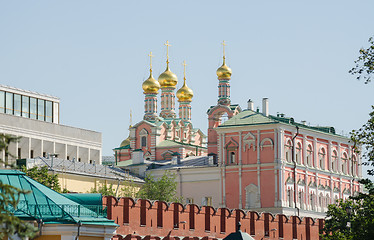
x=19, y=153
x=31, y=153
x=232, y=157
x=144, y=141
x=44, y=154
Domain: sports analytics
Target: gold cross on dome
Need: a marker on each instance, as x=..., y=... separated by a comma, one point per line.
x=184, y=71
x=150, y=56
x=224, y=44
x=167, y=50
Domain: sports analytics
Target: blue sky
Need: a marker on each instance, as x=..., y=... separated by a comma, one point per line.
x=93, y=56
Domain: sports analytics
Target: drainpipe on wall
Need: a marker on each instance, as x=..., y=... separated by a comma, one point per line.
x=119, y=180
x=79, y=230
x=40, y=225
x=180, y=182
x=294, y=169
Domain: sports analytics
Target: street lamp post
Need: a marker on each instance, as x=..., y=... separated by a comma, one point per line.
x=348, y=209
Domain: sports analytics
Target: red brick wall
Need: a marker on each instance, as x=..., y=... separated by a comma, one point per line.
x=201, y=222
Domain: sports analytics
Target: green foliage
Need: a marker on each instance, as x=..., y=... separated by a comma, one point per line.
x=364, y=68
x=361, y=220
x=41, y=175
x=362, y=205
x=5, y=140
x=163, y=189
x=104, y=190
x=363, y=140
x=9, y=197
x=128, y=190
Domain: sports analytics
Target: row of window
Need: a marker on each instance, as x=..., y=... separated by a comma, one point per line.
x=19, y=155
x=25, y=106
x=322, y=159
x=322, y=201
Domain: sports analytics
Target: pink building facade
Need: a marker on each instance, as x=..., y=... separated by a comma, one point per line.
x=256, y=161
x=272, y=163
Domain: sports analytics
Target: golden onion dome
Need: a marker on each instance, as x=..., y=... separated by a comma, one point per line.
x=168, y=79
x=151, y=85
x=224, y=72
x=125, y=142
x=185, y=94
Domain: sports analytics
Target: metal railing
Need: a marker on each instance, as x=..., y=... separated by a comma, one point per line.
x=60, y=211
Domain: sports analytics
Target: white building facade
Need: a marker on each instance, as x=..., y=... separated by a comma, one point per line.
x=34, y=118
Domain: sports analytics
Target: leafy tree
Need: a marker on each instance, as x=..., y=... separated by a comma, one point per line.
x=359, y=224
x=9, y=198
x=104, y=190
x=129, y=190
x=361, y=218
x=163, y=189
x=41, y=175
x=364, y=68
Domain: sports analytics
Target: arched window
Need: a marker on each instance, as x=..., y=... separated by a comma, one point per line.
x=345, y=163
x=301, y=199
x=232, y=157
x=143, y=137
x=354, y=165
x=321, y=156
x=334, y=161
x=251, y=192
x=309, y=156
x=289, y=197
x=144, y=141
x=312, y=205
x=298, y=153
x=224, y=118
x=287, y=150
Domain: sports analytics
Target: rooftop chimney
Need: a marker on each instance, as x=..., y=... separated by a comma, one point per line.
x=250, y=105
x=265, y=106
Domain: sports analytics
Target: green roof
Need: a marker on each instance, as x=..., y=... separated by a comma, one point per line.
x=170, y=143
x=123, y=147
x=50, y=206
x=249, y=117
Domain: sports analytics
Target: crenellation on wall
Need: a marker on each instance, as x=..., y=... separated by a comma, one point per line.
x=138, y=218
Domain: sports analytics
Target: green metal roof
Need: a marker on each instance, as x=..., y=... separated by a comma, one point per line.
x=50, y=206
x=249, y=117
x=170, y=143
x=123, y=147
